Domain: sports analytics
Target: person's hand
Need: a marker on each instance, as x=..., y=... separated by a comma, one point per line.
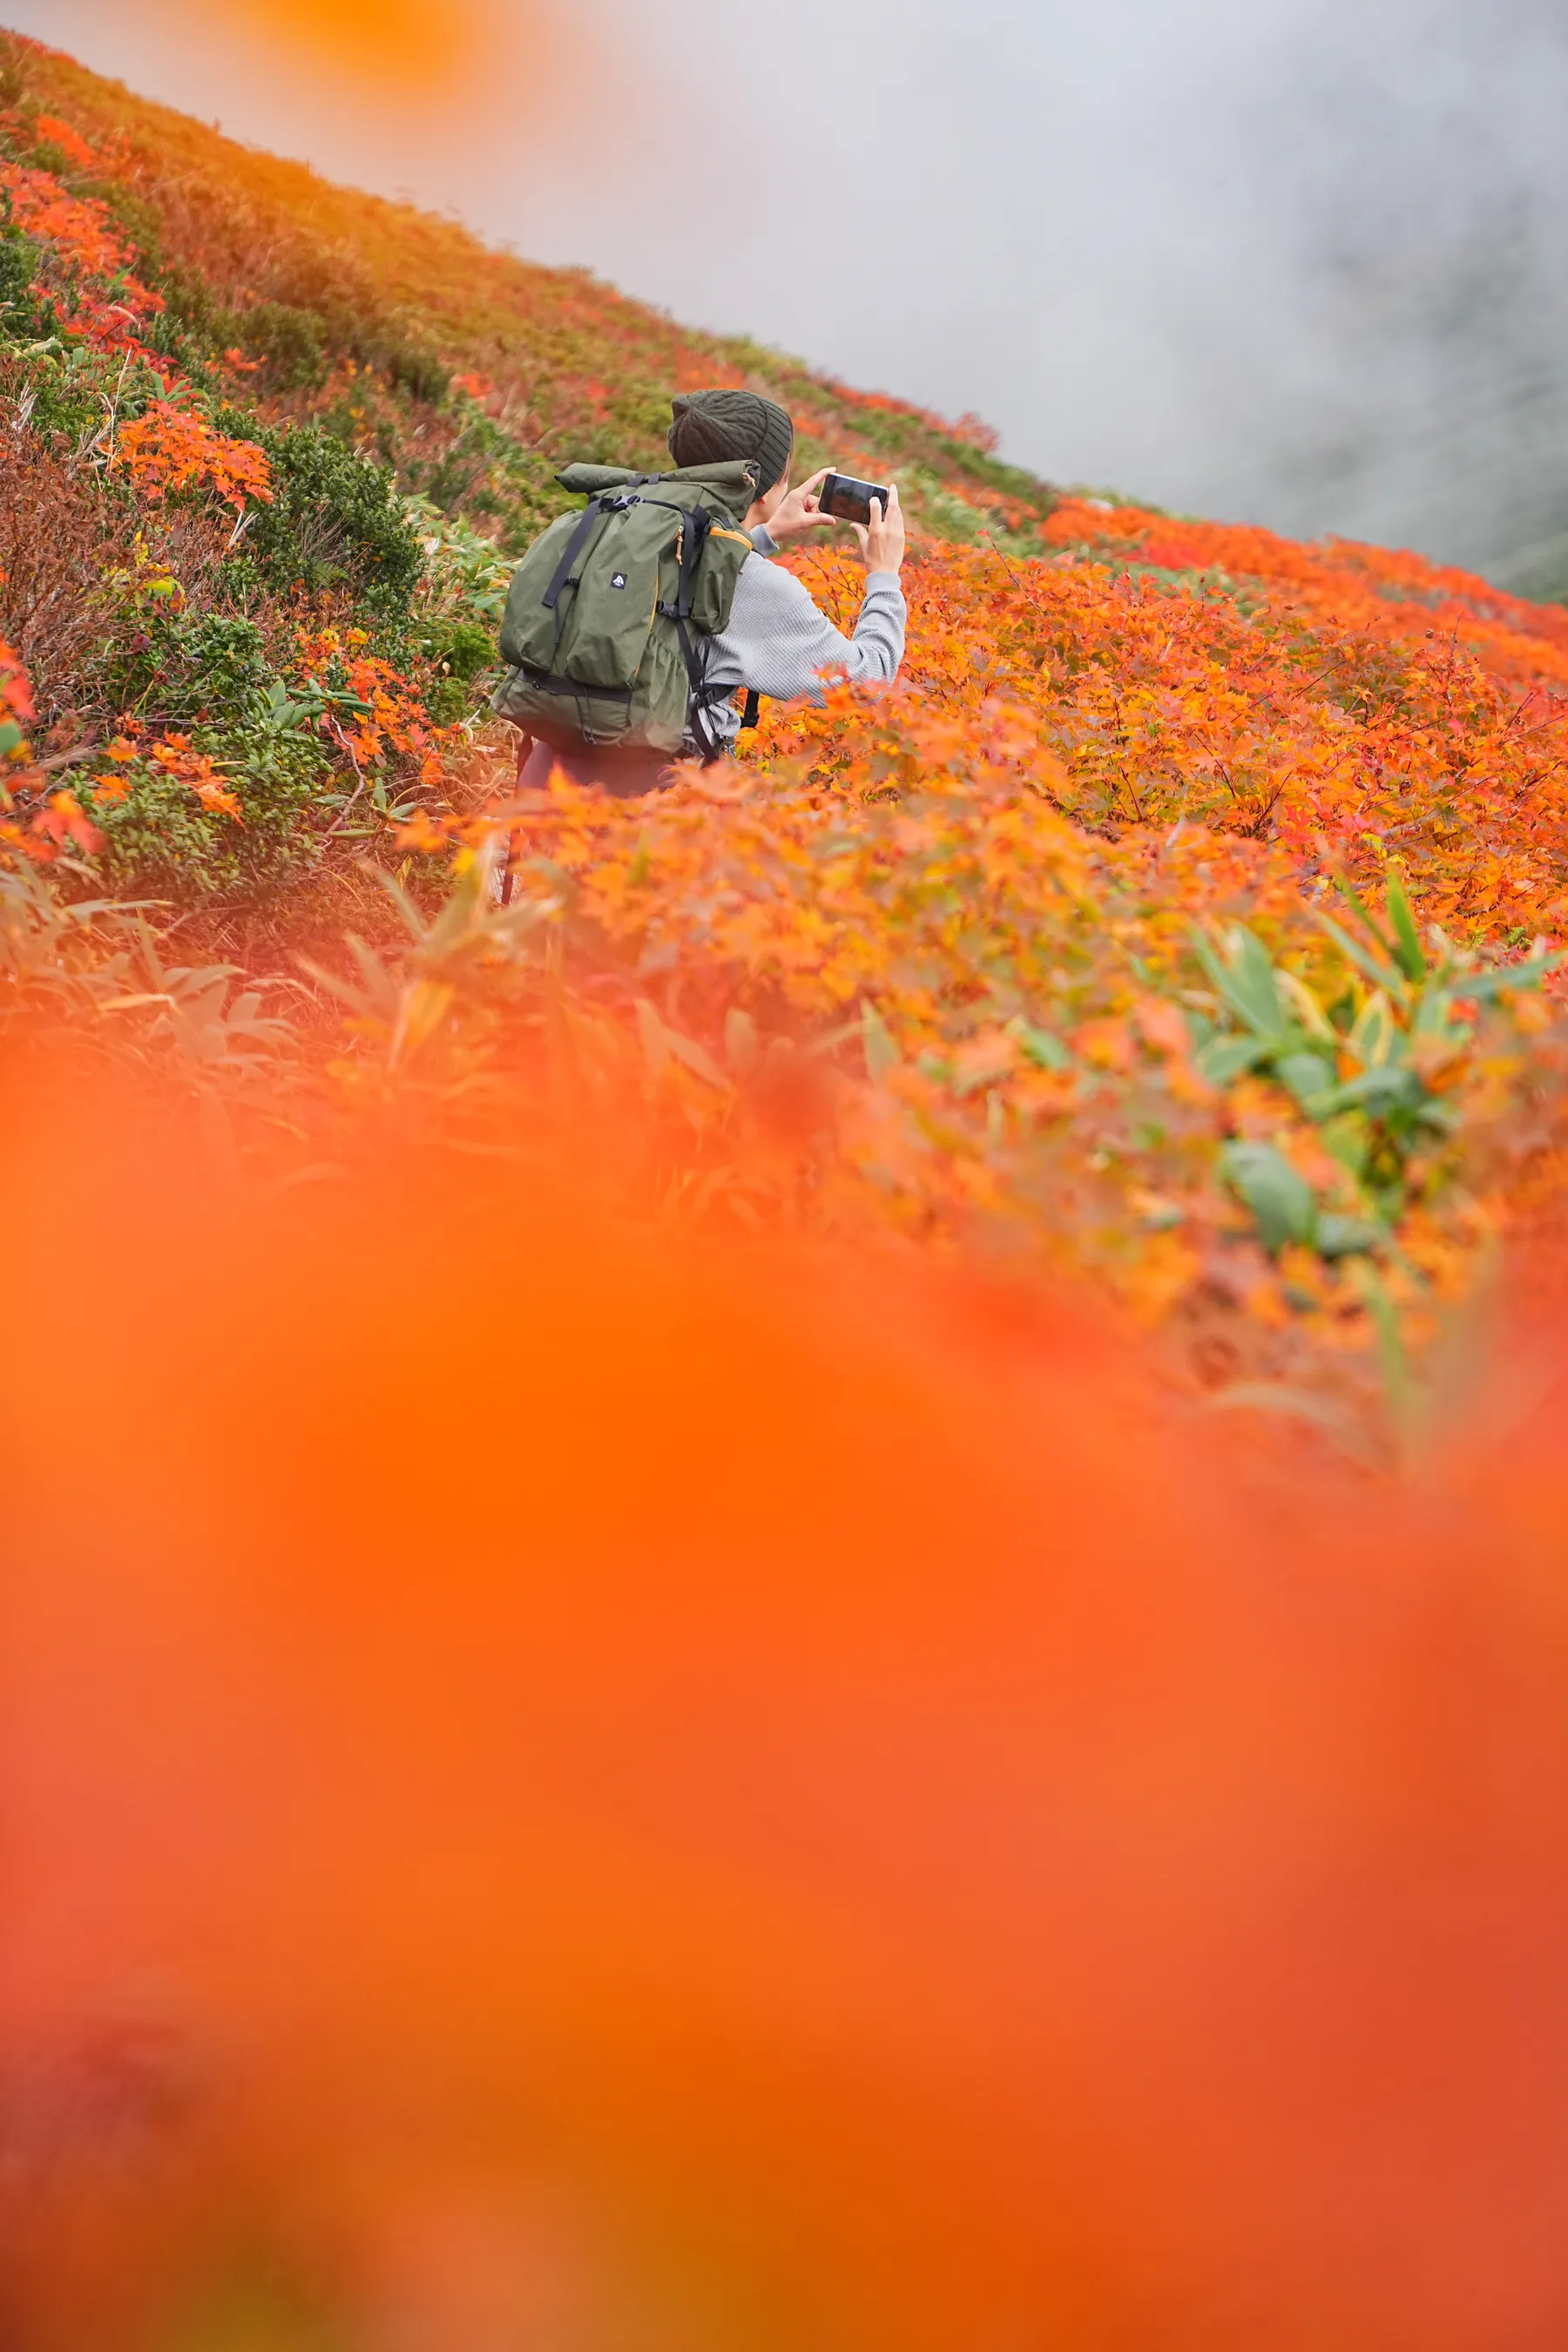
x=882, y=539
x=798, y=510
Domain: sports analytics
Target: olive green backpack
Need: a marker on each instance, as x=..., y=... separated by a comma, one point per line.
x=610, y=613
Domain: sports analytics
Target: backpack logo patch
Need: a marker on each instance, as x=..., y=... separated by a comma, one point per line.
x=618, y=580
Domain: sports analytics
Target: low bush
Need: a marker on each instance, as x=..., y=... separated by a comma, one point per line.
x=334, y=524
x=289, y=344
x=186, y=666
x=460, y=658
x=18, y=269
x=168, y=835
x=1033, y=944
x=63, y=534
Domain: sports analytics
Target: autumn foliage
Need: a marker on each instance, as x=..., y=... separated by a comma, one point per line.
x=169, y=448
x=1188, y=914
x=594, y=1783
x=785, y=1561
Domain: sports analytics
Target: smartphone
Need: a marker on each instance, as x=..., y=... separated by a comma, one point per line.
x=850, y=500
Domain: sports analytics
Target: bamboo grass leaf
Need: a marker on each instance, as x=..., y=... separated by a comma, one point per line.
x=1383, y=974
x=1407, y=942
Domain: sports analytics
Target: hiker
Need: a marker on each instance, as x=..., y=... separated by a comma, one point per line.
x=630, y=628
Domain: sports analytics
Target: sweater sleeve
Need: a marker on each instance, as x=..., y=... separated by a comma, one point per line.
x=779, y=642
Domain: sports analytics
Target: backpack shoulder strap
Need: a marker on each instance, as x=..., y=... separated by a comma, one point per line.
x=699, y=525
x=695, y=525
x=575, y=546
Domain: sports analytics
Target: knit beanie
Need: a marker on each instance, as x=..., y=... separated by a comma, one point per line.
x=712, y=428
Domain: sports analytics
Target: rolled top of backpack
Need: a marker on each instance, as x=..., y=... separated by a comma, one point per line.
x=733, y=484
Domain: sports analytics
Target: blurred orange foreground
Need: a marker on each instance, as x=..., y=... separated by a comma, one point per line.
x=571, y=1792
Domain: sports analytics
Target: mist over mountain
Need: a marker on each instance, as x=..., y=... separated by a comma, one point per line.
x=1413, y=179
x=1308, y=266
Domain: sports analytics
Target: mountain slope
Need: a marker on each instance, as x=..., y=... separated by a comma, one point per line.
x=626, y=1723
x=1182, y=913
x=324, y=287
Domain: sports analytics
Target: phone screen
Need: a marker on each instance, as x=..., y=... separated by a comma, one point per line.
x=850, y=499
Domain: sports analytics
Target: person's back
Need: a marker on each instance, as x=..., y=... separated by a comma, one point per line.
x=773, y=638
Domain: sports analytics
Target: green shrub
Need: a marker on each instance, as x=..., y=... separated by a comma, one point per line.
x=43, y=155
x=417, y=371
x=335, y=522
x=161, y=842
x=291, y=342
x=138, y=221
x=64, y=379
x=464, y=654
x=204, y=675
x=450, y=481
x=348, y=318
x=469, y=650
x=225, y=663
x=178, y=668
x=18, y=267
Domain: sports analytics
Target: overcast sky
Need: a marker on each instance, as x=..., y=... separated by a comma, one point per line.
x=1305, y=262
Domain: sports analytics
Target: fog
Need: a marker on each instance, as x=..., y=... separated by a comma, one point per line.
x=1307, y=265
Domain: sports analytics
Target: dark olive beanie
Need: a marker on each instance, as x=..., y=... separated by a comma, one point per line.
x=711, y=428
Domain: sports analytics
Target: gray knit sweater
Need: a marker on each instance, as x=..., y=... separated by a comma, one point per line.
x=778, y=641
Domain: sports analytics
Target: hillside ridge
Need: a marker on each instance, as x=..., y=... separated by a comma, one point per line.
x=1189, y=913
x=325, y=273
